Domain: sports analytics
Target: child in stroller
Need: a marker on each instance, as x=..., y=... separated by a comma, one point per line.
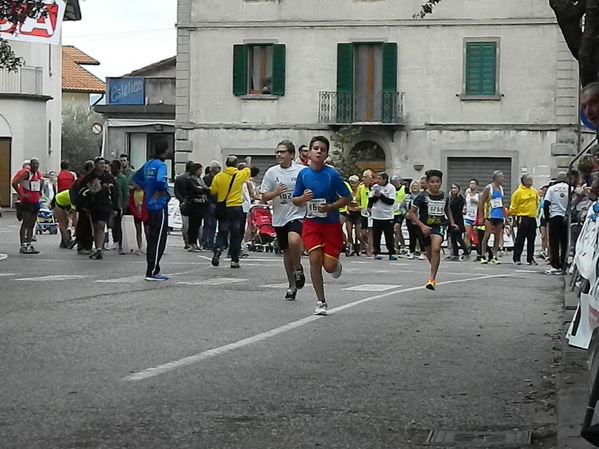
x=263, y=234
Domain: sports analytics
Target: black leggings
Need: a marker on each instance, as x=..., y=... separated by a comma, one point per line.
x=196, y=215
x=558, y=241
x=379, y=227
x=457, y=240
x=415, y=236
x=117, y=228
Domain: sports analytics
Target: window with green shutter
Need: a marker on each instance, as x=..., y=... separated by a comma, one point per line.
x=345, y=83
x=259, y=69
x=480, y=77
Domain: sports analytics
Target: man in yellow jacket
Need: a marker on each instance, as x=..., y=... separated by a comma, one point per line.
x=227, y=186
x=524, y=208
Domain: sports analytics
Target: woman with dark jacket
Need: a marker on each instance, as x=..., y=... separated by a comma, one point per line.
x=196, y=202
x=457, y=204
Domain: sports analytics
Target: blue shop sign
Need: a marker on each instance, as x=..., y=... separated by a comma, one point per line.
x=129, y=90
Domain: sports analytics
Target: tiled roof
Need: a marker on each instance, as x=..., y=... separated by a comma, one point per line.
x=74, y=77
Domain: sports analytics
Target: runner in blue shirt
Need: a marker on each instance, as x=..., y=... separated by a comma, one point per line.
x=322, y=190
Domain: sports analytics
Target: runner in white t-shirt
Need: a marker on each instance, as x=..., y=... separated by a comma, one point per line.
x=278, y=185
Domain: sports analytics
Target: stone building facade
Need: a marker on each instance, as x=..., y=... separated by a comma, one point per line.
x=477, y=86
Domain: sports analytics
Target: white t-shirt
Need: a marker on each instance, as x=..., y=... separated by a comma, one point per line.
x=380, y=210
x=557, y=195
x=284, y=210
x=472, y=202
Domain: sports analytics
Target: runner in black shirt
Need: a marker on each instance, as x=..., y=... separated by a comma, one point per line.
x=432, y=218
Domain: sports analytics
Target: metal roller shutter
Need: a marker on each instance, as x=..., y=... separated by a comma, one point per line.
x=462, y=169
x=263, y=163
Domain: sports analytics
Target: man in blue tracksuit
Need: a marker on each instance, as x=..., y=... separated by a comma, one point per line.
x=153, y=179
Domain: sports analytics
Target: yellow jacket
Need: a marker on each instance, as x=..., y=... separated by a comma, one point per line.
x=221, y=182
x=525, y=202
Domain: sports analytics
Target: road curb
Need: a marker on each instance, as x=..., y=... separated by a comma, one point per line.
x=572, y=384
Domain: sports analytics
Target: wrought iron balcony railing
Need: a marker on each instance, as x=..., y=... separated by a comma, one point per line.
x=366, y=108
x=26, y=80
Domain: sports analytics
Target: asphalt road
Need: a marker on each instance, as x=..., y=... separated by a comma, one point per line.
x=92, y=356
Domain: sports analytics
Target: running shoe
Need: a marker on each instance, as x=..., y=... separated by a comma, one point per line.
x=483, y=260
x=554, y=271
x=122, y=252
x=3, y=256
x=233, y=264
x=321, y=308
x=495, y=261
x=193, y=249
x=378, y=257
x=290, y=295
x=532, y=262
x=300, y=278
x=32, y=250
x=216, y=257
x=410, y=256
x=96, y=255
x=421, y=257
x=337, y=271
x=24, y=250
x=517, y=262
x=431, y=284
x=156, y=277
x=392, y=257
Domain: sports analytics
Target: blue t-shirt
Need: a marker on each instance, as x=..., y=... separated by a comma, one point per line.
x=153, y=177
x=327, y=186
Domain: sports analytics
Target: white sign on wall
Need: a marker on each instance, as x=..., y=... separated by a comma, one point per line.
x=45, y=30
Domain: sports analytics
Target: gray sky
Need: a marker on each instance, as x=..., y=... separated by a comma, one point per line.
x=123, y=35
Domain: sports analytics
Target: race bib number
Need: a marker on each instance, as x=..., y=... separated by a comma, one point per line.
x=471, y=212
x=312, y=207
x=436, y=208
x=396, y=207
x=496, y=203
x=285, y=197
x=35, y=186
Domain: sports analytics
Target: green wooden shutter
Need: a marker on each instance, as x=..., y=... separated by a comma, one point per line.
x=389, y=100
x=481, y=68
x=278, y=69
x=345, y=83
x=240, y=70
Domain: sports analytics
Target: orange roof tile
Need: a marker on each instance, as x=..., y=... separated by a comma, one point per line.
x=74, y=77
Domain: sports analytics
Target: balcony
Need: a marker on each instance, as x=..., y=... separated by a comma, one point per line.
x=341, y=108
x=27, y=80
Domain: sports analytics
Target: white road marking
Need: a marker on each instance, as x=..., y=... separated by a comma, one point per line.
x=527, y=271
x=214, y=281
x=125, y=280
x=7, y=274
x=372, y=288
x=137, y=277
x=55, y=277
x=167, y=367
x=282, y=285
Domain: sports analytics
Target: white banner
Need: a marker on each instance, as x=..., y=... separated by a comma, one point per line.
x=45, y=30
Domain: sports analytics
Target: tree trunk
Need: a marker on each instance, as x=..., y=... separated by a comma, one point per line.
x=583, y=44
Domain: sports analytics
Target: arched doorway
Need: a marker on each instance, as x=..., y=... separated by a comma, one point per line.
x=369, y=154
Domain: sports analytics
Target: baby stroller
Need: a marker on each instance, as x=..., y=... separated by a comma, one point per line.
x=45, y=219
x=264, y=237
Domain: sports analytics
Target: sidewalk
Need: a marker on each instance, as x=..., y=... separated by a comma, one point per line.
x=573, y=380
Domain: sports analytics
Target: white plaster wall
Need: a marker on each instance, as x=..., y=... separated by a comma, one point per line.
x=20, y=118
x=530, y=150
x=319, y=10
x=430, y=72
x=27, y=117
